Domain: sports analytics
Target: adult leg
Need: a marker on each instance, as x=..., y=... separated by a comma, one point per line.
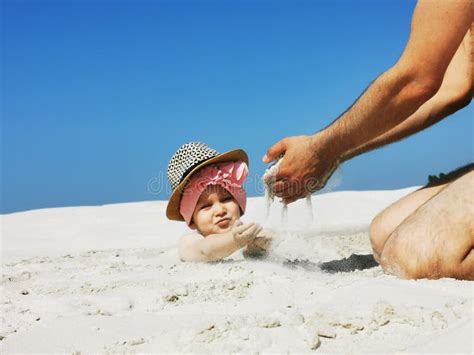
x=390, y=218
x=437, y=239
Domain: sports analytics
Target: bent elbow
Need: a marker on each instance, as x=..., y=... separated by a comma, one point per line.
x=418, y=85
x=456, y=100
x=423, y=89
x=463, y=100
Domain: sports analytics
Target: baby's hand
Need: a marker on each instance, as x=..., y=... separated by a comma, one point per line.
x=263, y=240
x=259, y=246
x=245, y=233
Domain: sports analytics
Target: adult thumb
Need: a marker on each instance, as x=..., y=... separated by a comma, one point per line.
x=274, y=152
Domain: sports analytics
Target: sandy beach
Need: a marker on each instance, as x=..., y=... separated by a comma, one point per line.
x=107, y=279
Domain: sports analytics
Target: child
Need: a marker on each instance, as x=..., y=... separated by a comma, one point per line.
x=208, y=195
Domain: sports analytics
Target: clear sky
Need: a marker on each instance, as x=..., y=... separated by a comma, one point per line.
x=97, y=95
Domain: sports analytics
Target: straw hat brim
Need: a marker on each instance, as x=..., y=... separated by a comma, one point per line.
x=172, y=210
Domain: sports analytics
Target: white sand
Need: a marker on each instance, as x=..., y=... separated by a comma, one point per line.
x=107, y=279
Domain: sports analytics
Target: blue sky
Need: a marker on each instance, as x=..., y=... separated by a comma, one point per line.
x=97, y=95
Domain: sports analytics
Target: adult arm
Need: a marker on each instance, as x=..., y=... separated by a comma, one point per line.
x=437, y=31
x=455, y=93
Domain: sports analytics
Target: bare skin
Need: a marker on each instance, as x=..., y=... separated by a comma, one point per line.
x=454, y=94
x=444, y=245
x=432, y=79
x=217, y=219
x=213, y=247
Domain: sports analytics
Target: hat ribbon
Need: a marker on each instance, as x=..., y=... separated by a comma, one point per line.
x=229, y=175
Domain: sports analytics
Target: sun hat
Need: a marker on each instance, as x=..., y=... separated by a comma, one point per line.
x=187, y=160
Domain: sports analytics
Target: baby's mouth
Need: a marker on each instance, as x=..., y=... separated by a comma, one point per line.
x=223, y=223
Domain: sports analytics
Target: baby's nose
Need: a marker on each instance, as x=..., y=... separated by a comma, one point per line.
x=220, y=208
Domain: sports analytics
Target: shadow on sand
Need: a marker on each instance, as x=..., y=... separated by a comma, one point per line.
x=352, y=263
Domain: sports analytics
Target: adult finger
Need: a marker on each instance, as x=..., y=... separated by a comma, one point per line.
x=274, y=151
x=289, y=194
x=289, y=189
x=281, y=186
x=292, y=198
x=289, y=200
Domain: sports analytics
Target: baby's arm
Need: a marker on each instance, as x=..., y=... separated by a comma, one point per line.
x=217, y=246
x=214, y=247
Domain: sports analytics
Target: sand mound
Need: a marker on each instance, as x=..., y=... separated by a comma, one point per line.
x=107, y=279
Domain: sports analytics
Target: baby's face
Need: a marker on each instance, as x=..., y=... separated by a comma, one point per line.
x=216, y=211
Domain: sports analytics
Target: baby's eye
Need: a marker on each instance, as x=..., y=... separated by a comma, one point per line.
x=203, y=207
x=228, y=198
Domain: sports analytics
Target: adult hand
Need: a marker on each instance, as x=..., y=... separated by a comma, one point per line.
x=245, y=233
x=307, y=164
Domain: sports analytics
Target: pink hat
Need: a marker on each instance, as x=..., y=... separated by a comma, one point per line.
x=229, y=175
